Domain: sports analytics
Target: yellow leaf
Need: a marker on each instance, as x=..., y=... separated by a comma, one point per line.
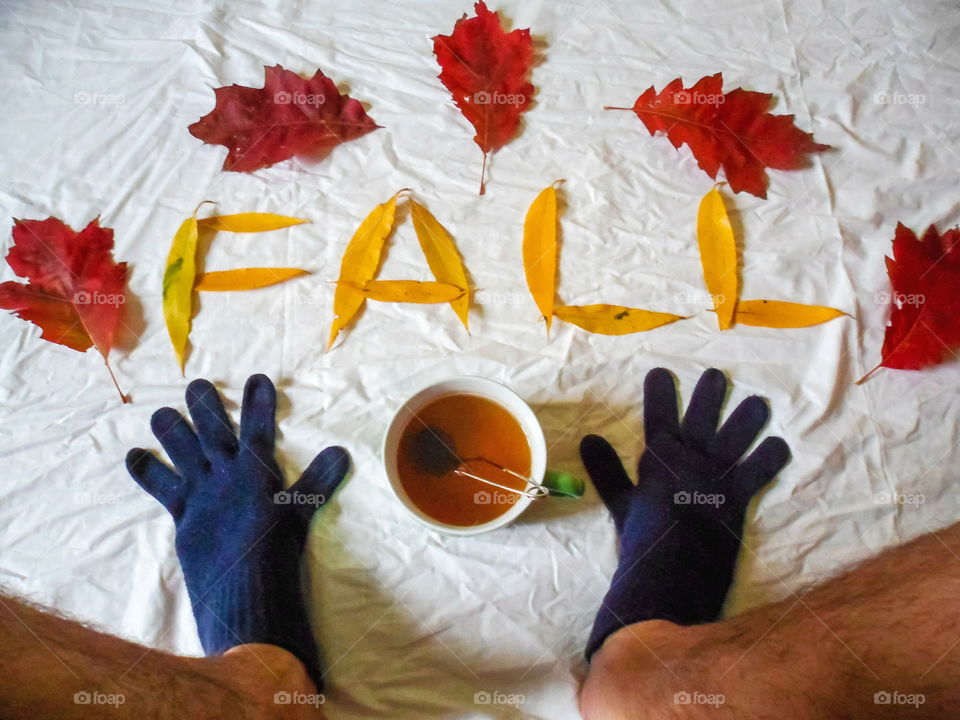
x=540, y=251
x=178, y=279
x=779, y=314
x=718, y=255
x=360, y=262
x=245, y=278
x=614, y=319
x=249, y=222
x=406, y=291
x=442, y=256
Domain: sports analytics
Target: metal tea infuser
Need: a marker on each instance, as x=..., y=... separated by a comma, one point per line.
x=434, y=452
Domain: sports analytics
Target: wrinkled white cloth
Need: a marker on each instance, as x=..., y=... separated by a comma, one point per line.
x=97, y=99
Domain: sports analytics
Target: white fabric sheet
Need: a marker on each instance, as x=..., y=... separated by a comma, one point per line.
x=96, y=100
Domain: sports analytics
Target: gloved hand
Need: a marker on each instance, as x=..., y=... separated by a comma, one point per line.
x=680, y=526
x=239, y=535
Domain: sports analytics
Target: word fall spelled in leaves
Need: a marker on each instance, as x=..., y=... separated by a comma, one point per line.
x=718, y=251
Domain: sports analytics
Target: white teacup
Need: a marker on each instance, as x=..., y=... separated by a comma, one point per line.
x=467, y=385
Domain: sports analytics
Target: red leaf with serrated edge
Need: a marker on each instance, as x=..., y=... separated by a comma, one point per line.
x=288, y=116
x=485, y=69
x=75, y=292
x=924, y=324
x=730, y=130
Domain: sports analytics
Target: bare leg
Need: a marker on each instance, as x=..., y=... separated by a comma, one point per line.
x=880, y=641
x=51, y=667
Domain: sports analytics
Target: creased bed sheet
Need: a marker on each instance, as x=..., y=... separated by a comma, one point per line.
x=96, y=100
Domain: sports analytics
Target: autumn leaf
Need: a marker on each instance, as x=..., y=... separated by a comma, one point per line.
x=924, y=326
x=180, y=279
x=780, y=314
x=245, y=278
x=613, y=319
x=485, y=69
x=289, y=116
x=75, y=291
x=718, y=256
x=406, y=291
x=360, y=263
x=540, y=251
x=442, y=256
x=730, y=130
x=252, y=222
x=179, y=276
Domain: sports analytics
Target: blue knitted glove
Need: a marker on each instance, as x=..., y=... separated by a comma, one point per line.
x=239, y=535
x=680, y=526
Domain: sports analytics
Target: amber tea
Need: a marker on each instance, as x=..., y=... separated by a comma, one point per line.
x=477, y=428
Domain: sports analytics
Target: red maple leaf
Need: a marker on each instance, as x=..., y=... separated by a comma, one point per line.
x=75, y=292
x=288, y=116
x=924, y=303
x=485, y=70
x=730, y=130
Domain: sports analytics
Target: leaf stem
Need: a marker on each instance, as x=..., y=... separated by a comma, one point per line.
x=124, y=397
x=611, y=107
x=864, y=378
x=483, y=174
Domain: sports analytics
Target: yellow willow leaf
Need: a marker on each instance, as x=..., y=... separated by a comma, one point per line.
x=779, y=314
x=614, y=319
x=360, y=262
x=245, y=278
x=540, y=251
x=442, y=256
x=178, y=280
x=249, y=222
x=406, y=291
x=718, y=255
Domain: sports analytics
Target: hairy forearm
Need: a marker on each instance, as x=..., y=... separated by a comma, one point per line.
x=878, y=641
x=53, y=667
x=890, y=625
